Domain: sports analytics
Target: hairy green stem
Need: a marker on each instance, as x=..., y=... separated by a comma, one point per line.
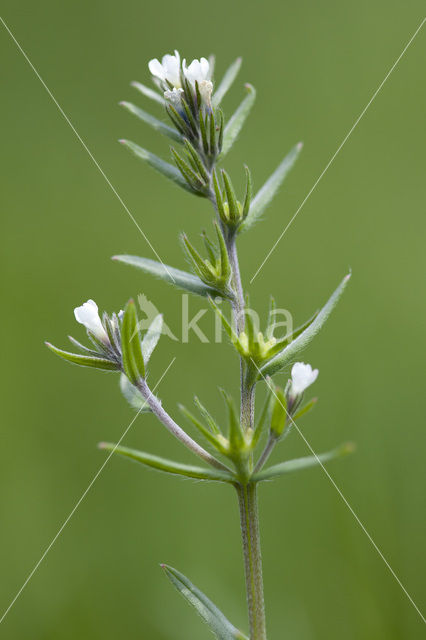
x=162, y=415
x=247, y=498
x=272, y=441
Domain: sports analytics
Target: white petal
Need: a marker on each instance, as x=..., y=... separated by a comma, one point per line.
x=156, y=68
x=88, y=316
x=302, y=376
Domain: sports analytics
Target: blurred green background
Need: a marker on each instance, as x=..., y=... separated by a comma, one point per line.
x=315, y=66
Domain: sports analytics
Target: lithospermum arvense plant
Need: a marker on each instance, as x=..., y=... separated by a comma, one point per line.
x=236, y=454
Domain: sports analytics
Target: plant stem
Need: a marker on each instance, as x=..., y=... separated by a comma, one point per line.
x=158, y=410
x=265, y=453
x=247, y=498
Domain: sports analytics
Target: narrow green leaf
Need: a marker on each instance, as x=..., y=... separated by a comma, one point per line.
x=181, y=279
x=302, y=463
x=168, y=170
x=233, y=128
x=226, y=82
x=155, y=123
x=264, y=196
x=169, y=466
x=287, y=354
x=84, y=361
x=133, y=363
x=133, y=395
x=149, y=93
x=152, y=337
x=211, y=615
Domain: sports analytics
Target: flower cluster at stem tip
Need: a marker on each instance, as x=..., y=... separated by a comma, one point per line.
x=170, y=73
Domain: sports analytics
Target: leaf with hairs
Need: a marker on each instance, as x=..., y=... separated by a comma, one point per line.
x=208, y=611
x=181, y=279
x=264, y=196
x=235, y=124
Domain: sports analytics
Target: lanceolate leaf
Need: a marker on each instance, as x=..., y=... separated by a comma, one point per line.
x=226, y=82
x=133, y=395
x=302, y=463
x=169, y=466
x=133, y=364
x=149, y=93
x=179, y=278
x=213, y=617
x=84, y=361
x=281, y=359
x=152, y=337
x=168, y=170
x=153, y=122
x=270, y=188
x=233, y=128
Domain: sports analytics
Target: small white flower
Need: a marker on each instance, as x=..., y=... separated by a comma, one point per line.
x=174, y=96
x=88, y=315
x=167, y=70
x=206, y=90
x=197, y=71
x=302, y=376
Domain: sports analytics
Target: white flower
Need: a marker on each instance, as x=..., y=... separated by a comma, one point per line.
x=174, y=96
x=206, y=90
x=167, y=70
x=197, y=71
x=302, y=376
x=88, y=315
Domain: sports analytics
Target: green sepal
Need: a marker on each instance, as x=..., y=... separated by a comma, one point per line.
x=147, y=92
x=169, y=466
x=153, y=122
x=226, y=82
x=133, y=395
x=264, y=196
x=194, y=180
x=233, y=205
x=208, y=435
x=196, y=160
x=305, y=409
x=84, y=361
x=197, y=262
x=168, y=170
x=151, y=337
x=131, y=349
x=302, y=463
x=288, y=353
x=207, y=417
x=236, y=435
x=225, y=322
x=82, y=348
x=212, y=616
x=233, y=128
x=176, y=277
x=248, y=194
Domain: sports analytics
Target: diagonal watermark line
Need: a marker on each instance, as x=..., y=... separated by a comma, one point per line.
x=354, y=514
x=339, y=148
x=80, y=500
x=86, y=148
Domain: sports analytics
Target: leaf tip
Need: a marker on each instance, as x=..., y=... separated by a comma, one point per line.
x=299, y=146
x=122, y=141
